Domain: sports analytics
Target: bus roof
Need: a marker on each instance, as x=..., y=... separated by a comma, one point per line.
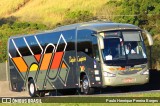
x=98, y=26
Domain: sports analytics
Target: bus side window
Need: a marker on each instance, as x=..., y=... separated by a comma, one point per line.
x=12, y=50
x=95, y=48
x=69, y=36
x=22, y=47
x=33, y=44
x=84, y=43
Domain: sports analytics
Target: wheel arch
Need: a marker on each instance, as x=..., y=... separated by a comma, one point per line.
x=84, y=74
x=29, y=78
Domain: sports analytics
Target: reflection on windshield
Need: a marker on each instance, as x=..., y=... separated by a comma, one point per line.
x=134, y=50
x=128, y=46
x=113, y=49
x=133, y=45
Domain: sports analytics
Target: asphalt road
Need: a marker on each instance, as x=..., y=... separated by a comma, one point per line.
x=110, y=91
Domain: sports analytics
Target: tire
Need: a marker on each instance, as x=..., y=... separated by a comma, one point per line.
x=85, y=86
x=32, y=88
x=33, y=92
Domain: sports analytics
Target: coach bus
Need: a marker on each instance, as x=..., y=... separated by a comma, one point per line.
x=82, y=56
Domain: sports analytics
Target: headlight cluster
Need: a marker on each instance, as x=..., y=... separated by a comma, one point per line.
x=146, y=72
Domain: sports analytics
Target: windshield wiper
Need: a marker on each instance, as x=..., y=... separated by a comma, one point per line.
x=122, y=58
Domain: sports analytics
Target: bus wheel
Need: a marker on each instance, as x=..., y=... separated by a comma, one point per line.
x=85, y=86
x=32, y=88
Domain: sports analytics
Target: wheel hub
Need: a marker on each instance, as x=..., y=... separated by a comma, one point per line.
x=31, y=88
x=85, y=84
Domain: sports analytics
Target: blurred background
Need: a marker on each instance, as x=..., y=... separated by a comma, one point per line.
x=19, y=17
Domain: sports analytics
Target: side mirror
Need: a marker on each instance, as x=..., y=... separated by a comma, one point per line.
x=150, y=41
x=101, y=42
x=149, y=37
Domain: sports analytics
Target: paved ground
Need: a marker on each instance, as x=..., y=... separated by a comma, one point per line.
x=5, y=92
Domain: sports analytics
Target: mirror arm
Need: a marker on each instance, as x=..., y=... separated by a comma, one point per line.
x=150, y=41
x=149, y=37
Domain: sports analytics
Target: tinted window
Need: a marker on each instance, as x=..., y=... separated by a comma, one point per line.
x=12, y=50
x=84, y=42
x=33, y=45
x=47, y=38
x=69, y=36
x=58, y=38
x=22, y=47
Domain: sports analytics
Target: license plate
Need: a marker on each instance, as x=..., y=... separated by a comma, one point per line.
x=129, y=80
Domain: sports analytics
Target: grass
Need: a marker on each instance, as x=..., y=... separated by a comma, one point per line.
x=9, y=6
x=154, y=94
x=157, y=94
x=83, y=104
x=48, y=12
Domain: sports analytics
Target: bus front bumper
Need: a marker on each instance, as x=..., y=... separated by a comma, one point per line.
x=125, y=80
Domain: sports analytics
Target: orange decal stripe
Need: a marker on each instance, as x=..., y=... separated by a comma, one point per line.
x=64, y=65
x=57, y=60
x=46, y=61
x=21, y=65
x=37, y=56
x=121, y=69
x=112, y=69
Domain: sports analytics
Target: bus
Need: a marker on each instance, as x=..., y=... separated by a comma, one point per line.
x=82, y=56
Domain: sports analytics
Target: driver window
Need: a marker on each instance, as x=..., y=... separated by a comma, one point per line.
x=131, y=48
x=112, y=48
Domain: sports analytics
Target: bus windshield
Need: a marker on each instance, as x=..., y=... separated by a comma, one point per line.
x=123, y=46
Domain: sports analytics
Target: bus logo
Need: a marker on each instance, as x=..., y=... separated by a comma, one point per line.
x=51, y=63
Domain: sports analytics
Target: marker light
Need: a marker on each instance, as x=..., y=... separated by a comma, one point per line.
x=145, y=72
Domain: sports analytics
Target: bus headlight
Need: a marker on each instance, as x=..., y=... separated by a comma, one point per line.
x=107, y=74
x=145, y=72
